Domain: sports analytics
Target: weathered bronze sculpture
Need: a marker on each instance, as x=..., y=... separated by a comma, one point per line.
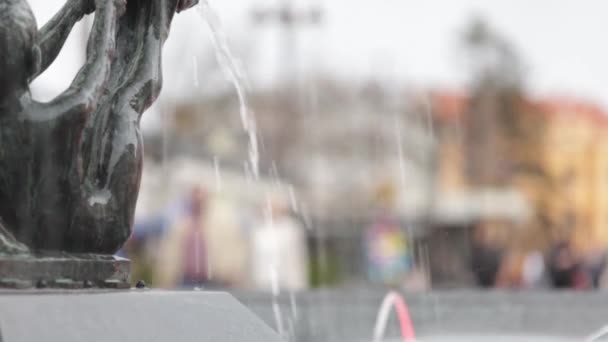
x=70, y=168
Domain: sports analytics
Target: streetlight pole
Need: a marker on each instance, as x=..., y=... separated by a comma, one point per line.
x=288, y=18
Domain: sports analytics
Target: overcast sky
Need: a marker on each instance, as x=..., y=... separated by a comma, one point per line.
x=562, y=42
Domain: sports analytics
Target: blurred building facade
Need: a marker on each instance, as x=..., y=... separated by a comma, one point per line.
x=552, y=151
x=531, y=171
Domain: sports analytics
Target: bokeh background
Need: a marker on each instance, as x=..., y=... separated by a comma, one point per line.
x=434, y=144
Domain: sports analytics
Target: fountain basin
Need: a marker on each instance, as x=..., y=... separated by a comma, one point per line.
x=451, y=315
x=135, y=315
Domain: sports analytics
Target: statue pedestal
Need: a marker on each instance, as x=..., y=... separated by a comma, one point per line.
x=62, y=270
x=135, y=315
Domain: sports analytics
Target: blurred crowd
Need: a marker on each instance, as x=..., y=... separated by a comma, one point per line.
x=561, y=267
x=201, y=242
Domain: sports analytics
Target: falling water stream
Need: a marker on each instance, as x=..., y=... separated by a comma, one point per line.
x=232, y=69
x=234, y=72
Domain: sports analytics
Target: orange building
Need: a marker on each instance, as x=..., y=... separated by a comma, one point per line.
x=554, y=151
x=576, y=162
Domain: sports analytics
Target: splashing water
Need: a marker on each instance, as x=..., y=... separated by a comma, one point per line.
x=195, y=73
x=293, y=304
x=400, y=153
x=292, y=199
x=596, y=336
x=233, y=70
x=428, y=117
x=393, y=299
x=278, y=317
x=218, y=174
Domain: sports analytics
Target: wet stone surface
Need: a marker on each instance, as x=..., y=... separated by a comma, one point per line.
x=64, y=271
x=128, y=316
x=450, y=315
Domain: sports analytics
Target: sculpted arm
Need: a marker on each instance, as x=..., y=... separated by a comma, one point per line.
x=92, y=77
x=54, y=34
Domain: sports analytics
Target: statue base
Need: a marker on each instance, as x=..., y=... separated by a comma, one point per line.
x=64, y=270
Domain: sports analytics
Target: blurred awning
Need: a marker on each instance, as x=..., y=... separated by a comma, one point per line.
x=470, y=206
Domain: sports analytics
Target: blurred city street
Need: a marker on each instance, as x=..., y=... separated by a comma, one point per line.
x=363, y=145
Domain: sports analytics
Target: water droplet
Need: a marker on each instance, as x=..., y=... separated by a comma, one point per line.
x=218, y=175
x=195, y=71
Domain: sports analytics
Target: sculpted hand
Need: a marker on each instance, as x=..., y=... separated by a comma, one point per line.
x=84, y=6
x=183, y=5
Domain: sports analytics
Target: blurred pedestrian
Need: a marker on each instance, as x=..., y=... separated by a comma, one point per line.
x=194, y=242
x=183, y=256
x=521, y=270
x=594, y=264
x=388, y=251
x=534, y=270
x=279, y=253
x=486, y=257
x=565, y=270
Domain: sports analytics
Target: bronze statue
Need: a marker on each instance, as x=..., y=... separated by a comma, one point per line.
x=70, y=168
